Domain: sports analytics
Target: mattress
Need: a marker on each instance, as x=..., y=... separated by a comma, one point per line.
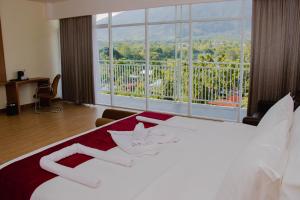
x=190, y=169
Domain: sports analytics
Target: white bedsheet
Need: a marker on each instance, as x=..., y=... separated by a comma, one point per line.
x=190, y=169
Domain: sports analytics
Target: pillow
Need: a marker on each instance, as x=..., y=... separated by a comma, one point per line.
x=290, y=189
x=294, y=143
x=257, y=172
x=282, y=110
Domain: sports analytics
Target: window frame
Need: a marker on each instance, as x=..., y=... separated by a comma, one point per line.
x=241, y=19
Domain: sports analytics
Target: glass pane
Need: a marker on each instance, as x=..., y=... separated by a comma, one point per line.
x=248, y=8
x=247, y=40
x=163, y=32
x=217, y=41
x=182, y=41
x=162, y=14
x=246, y=75
x=102, y=73
x=183, y=12
x=129, y=66
x=167, y=70
x=247, y=53
x=102, y=18
x=129, y=42
x=216, y=69
x=216, y=10
x=182, y=32
x=103, y=43
x=128, y=17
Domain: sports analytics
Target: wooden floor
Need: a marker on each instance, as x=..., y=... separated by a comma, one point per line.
x=30, y=131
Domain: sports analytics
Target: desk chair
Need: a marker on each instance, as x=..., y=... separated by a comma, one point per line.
x=47, y=93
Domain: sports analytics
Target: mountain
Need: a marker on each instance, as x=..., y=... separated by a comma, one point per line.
x=166, y=32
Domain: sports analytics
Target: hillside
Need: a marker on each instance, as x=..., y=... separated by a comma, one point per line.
x=205, y=30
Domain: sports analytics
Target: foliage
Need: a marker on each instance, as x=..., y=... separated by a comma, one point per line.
x=216, y=70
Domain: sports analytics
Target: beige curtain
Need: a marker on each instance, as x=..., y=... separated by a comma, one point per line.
x=275, y=62
x=77, y=59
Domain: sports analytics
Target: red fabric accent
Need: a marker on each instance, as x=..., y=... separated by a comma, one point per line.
x=19, y=179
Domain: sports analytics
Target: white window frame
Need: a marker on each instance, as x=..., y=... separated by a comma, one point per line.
x=241, y=19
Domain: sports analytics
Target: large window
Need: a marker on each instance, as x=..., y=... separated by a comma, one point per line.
x=186, y=59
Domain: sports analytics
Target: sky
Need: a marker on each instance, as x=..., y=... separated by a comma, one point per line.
x=103, y=16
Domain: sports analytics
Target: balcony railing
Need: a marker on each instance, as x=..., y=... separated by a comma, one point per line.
x=216, y=83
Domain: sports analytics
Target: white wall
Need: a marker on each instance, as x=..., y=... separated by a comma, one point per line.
x=71, y=8
x=31, y=42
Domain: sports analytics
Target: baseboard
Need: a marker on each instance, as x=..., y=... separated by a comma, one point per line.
x=29, y=105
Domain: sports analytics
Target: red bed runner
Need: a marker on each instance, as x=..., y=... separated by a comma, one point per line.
x=19, y=179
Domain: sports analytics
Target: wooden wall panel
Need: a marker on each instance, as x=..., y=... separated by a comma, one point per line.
x=2, y=62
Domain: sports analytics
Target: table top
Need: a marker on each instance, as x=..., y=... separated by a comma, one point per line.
x=30, y=80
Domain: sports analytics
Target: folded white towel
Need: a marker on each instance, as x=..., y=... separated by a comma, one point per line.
x=69, y=173
x=142, y=141
x=139, y=134
x=102, y=155
x=48, y=163
x=126, y=143
x=161, y=137
x=150, y=120
x=133, y=142
x=164, y=123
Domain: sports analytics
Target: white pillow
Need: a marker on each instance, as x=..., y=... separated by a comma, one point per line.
x=290, y=189
x=294, y=145
x=257, y=173
x=282, y=110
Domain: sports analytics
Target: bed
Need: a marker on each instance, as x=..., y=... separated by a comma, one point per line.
x=193, y=168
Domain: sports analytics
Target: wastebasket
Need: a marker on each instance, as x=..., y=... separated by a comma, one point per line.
x=11, y=109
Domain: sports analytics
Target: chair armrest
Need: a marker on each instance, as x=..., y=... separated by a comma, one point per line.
x=253, y=120
x=102, y=121
x=116, y=114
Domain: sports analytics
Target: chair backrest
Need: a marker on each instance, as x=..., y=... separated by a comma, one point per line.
x=54, y=85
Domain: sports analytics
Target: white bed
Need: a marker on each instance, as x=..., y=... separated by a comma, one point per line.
x=191, y=169
x=212, y=160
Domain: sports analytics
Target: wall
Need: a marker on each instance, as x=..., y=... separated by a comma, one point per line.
x=70, y=8
x=31, y=42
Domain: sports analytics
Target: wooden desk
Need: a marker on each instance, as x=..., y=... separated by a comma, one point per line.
x=12, y=89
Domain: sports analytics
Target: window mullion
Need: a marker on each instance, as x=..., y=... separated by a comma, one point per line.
x=147, y=54
x=190, y=63
x=111, y=65
x=241, y=77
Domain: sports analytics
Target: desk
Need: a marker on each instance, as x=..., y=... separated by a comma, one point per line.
x=12, y=89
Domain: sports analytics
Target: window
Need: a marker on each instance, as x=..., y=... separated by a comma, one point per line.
x=221, y=10
x=102, y=74
x=129, y=65
x=187, y=59
x=162, y=14
x=128, y=17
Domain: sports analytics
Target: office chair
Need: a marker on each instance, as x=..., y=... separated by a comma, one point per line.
x=47, y=93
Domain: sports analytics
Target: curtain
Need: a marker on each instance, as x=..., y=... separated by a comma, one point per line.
x=77, y=59
x=275, y=59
